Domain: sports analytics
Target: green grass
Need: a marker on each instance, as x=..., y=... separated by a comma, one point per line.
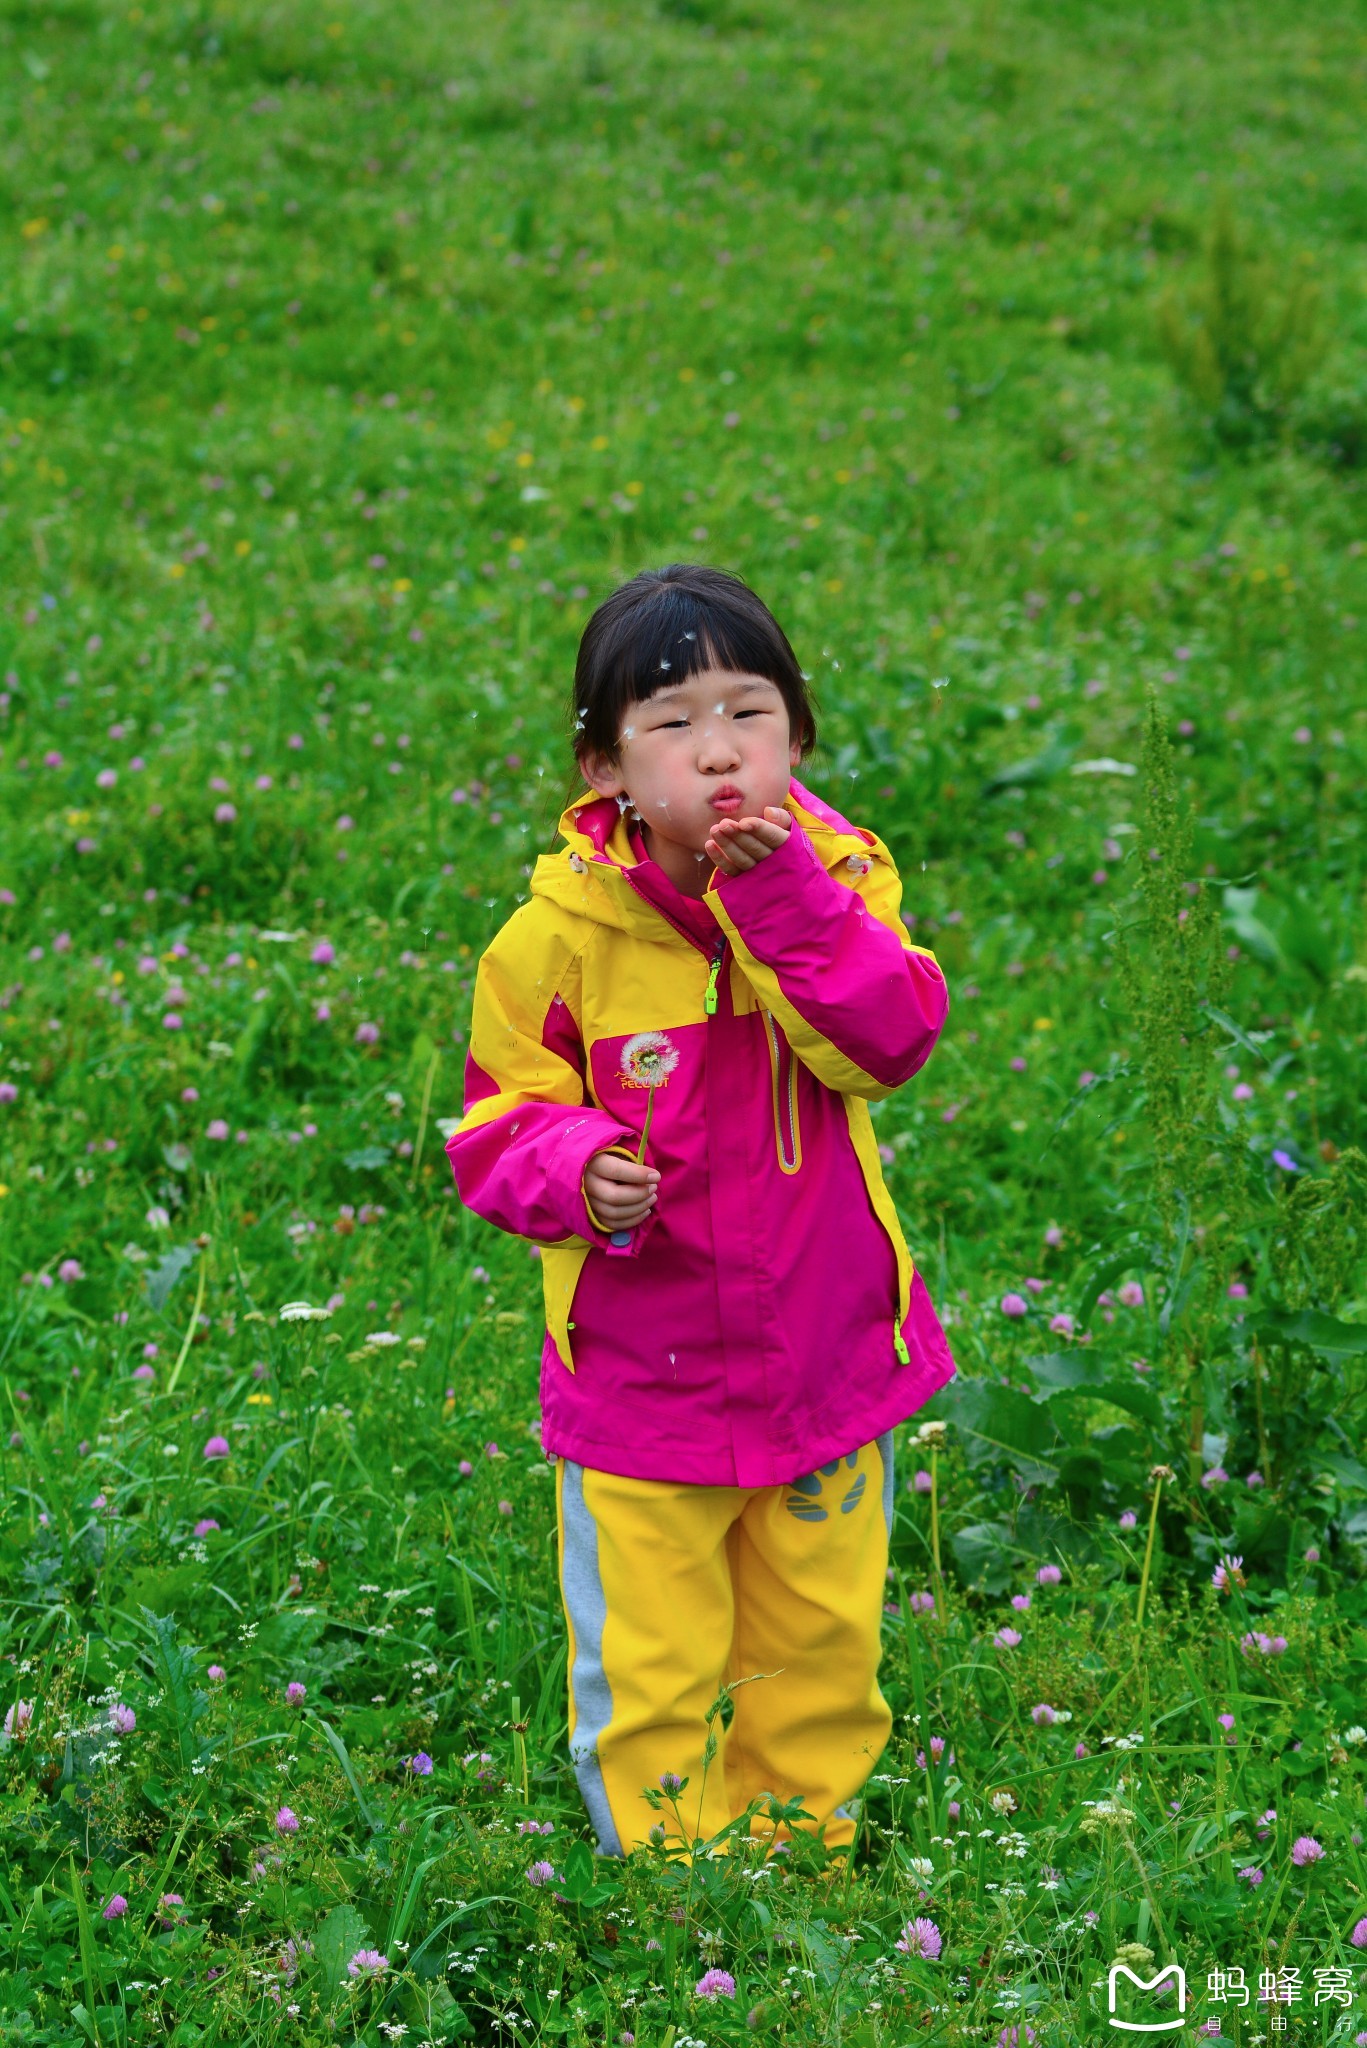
x=348, y=357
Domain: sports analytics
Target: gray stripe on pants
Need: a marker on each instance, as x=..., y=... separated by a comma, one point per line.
x=885, y=1452
x=586, y=1604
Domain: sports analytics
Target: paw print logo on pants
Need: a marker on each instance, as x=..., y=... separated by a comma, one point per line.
x=809, y=1496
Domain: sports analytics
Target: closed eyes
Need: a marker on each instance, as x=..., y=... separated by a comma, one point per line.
x=683, y=721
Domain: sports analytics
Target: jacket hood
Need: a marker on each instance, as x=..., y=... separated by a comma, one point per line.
x=590, y=873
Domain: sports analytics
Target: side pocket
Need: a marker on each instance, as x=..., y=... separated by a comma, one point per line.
x=866, y=1151
x=783, y=1074
x=561, y=1266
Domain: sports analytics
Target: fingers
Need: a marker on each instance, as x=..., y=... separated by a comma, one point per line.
x=621, y=1191
x=749, y=839
x=632, y=1173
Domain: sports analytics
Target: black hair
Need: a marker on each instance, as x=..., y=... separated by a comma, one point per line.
x=664, y=626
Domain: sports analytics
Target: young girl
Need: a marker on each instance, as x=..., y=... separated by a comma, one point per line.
x=674, y=1044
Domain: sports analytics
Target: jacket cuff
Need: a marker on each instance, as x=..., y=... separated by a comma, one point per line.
x=768, y=892
x=602, y=1233
x=596, y=1132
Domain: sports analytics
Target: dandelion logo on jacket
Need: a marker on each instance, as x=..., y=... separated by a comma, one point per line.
x=647, y=1059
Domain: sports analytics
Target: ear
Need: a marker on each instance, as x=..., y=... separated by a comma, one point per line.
x=599, y=774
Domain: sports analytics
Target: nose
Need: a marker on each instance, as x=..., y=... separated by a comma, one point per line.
x=717, y=747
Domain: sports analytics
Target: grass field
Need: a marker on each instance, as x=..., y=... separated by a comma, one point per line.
x=348, y=356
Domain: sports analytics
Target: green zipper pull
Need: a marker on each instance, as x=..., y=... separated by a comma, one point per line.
x=709, y=1001
x=899, y=1344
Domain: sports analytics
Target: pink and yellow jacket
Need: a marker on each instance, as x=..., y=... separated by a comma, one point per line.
x=766, y=1316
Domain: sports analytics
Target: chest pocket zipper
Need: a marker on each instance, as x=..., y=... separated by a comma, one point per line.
x=783, y=1068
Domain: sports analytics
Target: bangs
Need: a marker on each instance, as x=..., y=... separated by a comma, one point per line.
x=667, y=625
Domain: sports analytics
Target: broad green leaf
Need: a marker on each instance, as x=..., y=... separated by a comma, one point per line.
x=164, y=1275
x=174, y=1664
x=1038, y=768
x=578, y=1871
x=367, y=1156
x=997, y=1421
x=1349, y=1470
x=1249, y=929
x=336, y=1942
x=1316, y=1330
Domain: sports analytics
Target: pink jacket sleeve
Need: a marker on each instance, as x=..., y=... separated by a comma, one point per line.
x=859, y=1004
x=528, y=1133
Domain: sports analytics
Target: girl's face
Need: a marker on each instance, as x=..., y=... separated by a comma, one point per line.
x=681, y=749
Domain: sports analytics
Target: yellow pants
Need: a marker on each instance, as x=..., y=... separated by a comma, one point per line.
x=672, y=1590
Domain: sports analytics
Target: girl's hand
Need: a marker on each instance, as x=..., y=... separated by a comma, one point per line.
x=620, y=1191
x=738, y=843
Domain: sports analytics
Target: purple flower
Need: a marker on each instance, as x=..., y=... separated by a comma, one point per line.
x=1048, y=1575
x=287, y=1821
x=217, y=1129
x=17, y=1719
x=541, y=1873
x=921, y=1603
x=1285, y=1161
x=1007, y=1638
x=1251, y=1875
x=671, y=1784
x=1216, y=1476
x=1305, y=1849
x=1225, y=1720
x=367, y=1962
x=1061, y=1325
x=715, y=1984
x=295, y=1693
x=1358, y=1937
x=1129, y=1519
x=1043, y=1715
x=366, y=1034
x=920, y=1938
x=206, y=1526
x=421, y=1764
x=217, y=1673
x=1237, y=1291
x=217, y=1447
x=1021, y=1602
x=116, y=1907
x=1015, y=1305
x=922, y=1482
x=322, y=954
x=1226, y=1573
x=1132, y=1294
x=224, y=814
x=122, y=1718
x=8, y=1092
x=1255, y=1479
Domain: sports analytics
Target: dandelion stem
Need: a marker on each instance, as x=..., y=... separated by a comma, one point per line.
x=650, y=1108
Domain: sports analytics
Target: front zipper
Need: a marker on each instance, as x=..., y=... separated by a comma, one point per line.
x=709, y=1001
x=783, y=1071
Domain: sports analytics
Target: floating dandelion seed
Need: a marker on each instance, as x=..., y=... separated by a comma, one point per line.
x=644, y=1062
x=690, y=636
x=664, y=664
x=578, y=863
